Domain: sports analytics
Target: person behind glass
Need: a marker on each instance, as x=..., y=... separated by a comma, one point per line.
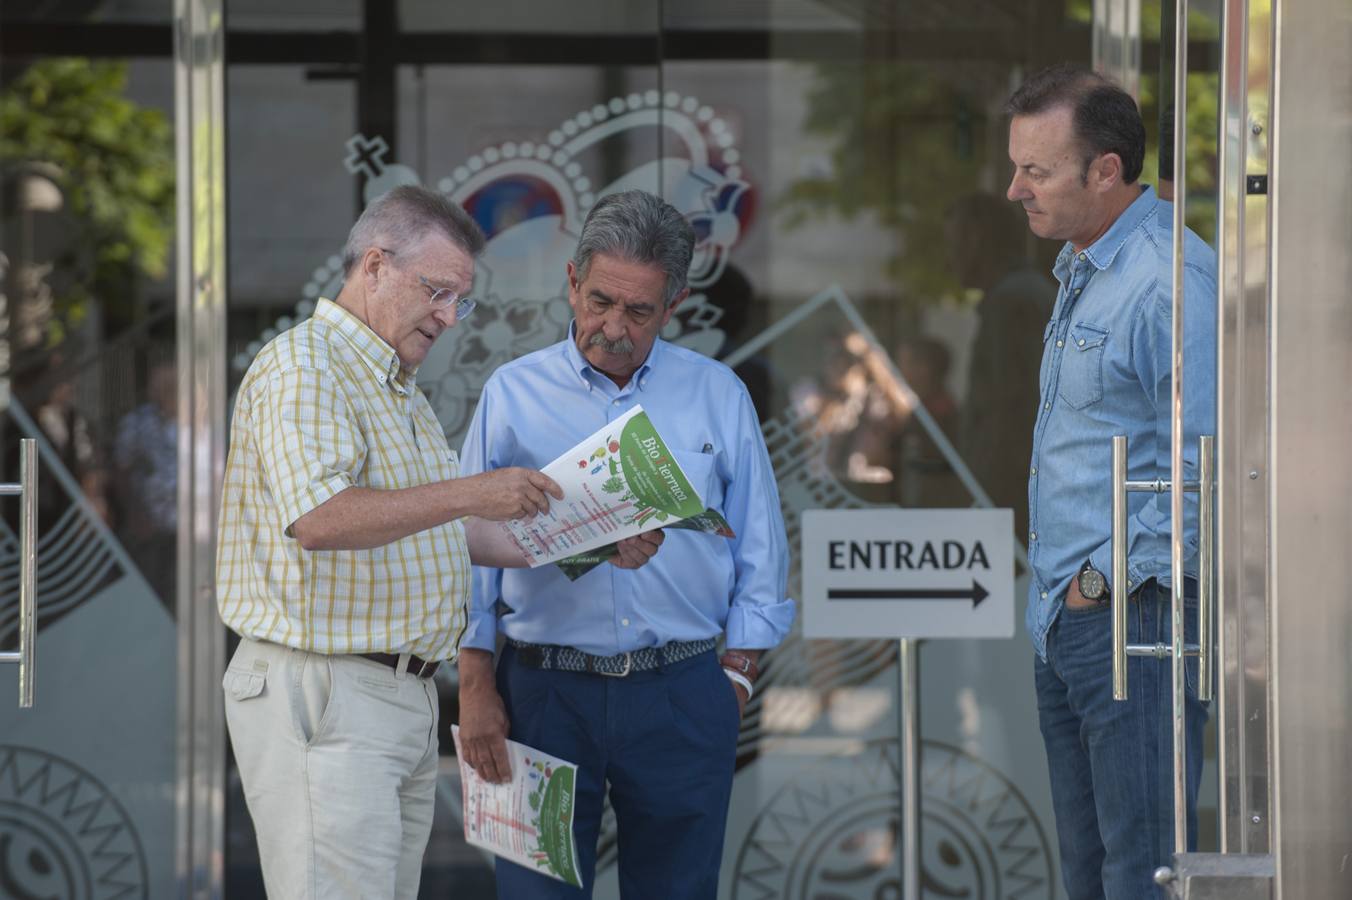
x=346, y=536
x=146, y=456
x=927, y=479
x=617, y=671
x=1077, y=142
x=72, y=439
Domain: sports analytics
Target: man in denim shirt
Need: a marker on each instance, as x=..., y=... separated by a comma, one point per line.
x=1077, y=143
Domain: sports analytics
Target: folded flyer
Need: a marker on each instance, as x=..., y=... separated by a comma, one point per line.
x=529, y=819
x=619, y=482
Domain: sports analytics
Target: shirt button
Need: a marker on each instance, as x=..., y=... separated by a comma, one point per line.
x=1032, y=535
x=615, y=403
x=1044, y=595
x=1077, y=292
x=1033, y=471
x=624, y=621
x=1046, y=406
x=1080, y=342
x=1060, y=343
x=1081, y=257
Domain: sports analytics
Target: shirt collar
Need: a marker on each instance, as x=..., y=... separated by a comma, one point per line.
x=371, y=348
x=1103, y=251
x=584, y=369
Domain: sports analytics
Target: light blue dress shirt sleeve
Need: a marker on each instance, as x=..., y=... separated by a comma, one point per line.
x=481, y=633
x=760, y=614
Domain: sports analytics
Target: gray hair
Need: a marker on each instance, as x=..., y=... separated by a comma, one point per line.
x=638, y=227
x=402, y=218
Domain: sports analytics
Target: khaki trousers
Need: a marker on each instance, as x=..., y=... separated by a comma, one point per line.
x=338, y=756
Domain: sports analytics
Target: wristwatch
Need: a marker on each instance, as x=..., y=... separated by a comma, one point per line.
x=1093, y=586
x=742, y=665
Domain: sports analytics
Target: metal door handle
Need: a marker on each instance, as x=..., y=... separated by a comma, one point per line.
x=1205, y=647
x=27, y=491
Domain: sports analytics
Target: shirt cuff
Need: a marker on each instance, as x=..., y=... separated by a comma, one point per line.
x=759, y=627
x=1103, y=561
x=481, y=633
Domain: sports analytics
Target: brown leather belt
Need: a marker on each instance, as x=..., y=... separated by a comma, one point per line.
x=416, y=664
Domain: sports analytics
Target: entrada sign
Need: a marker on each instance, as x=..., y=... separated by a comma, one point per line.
x=908, y=573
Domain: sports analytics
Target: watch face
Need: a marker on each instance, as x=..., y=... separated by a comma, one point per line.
x=1092, y=584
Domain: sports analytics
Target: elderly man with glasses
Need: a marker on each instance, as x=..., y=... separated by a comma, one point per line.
x=346, y=537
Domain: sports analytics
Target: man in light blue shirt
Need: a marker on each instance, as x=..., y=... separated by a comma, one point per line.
x=617, y=671
x=1077, y=144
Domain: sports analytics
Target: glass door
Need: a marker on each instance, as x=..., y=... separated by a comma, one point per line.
x=87, y=370
x=836, y=159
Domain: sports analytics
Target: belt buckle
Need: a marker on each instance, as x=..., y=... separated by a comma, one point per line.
x=628, y=667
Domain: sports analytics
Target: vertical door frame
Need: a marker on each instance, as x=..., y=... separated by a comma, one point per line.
x=1244, y=560
x=1311, y=427
x=199, y=42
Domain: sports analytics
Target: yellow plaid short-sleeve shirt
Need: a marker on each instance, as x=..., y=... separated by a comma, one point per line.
x=324, y=407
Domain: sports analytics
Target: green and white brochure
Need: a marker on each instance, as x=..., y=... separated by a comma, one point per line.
x=710, y=522
x=529, y=819
x=621, y=481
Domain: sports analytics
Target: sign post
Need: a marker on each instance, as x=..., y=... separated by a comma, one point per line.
x=908, y=712
x=908, y=574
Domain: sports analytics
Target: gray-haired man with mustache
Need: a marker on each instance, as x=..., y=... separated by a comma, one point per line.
x=662, y=734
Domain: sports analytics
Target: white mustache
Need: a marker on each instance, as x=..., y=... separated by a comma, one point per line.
x=618, y=348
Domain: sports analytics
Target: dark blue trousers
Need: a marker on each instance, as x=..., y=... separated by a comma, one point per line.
x=1111, y=762
x=664, y=741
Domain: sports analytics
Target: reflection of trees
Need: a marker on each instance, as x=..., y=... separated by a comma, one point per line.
x=112, y=162
x=904, y=143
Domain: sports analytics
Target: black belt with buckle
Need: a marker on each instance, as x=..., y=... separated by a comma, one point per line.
x=570, y=659
x=416, y=664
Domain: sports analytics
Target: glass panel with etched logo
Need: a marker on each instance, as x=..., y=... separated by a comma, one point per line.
x=87, y=370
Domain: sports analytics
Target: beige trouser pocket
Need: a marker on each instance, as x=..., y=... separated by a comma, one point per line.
x=312, y=696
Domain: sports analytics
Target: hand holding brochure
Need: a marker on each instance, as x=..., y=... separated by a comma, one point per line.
x=621, y=481
x=528, y=820
x=579, y=564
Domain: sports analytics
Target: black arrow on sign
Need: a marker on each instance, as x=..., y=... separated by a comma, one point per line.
x=976, y=593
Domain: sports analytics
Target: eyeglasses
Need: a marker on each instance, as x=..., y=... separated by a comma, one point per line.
x=440, y=298
x=444, y=297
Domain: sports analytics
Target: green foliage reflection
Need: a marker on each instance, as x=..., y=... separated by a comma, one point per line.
x=113, y=162
x=903, y=146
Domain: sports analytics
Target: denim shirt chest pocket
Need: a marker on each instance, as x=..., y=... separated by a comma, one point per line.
x=1081, y=380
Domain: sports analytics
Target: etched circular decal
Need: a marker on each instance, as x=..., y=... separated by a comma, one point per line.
x=832, y=833
x=62, y=834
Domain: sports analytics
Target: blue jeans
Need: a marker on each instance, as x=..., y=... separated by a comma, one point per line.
x=1111, y=762
x=664, y=741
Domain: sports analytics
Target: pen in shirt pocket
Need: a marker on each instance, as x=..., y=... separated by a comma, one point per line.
x=707, y=448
